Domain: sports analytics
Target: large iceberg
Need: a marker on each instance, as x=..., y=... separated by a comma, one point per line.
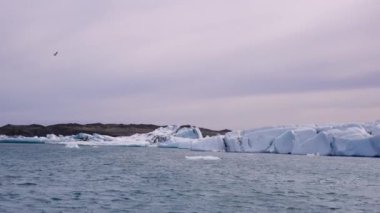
x=349, y=139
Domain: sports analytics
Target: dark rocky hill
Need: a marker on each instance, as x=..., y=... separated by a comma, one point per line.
x=73, y=128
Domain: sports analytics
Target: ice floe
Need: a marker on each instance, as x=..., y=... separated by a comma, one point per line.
x=72, y=145
x=202, y=158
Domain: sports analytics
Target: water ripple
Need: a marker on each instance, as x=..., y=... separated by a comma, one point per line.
x=48, y=178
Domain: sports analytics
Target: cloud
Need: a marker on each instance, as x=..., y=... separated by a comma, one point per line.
x=158, y=55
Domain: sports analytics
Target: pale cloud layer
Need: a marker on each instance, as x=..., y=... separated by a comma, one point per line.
x=219, y=64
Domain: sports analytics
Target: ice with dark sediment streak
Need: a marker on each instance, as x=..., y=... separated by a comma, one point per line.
x=348, y=139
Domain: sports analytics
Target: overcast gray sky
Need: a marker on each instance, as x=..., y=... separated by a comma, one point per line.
x=218, y=64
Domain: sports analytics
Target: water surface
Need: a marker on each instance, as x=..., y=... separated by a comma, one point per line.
x=54, y=178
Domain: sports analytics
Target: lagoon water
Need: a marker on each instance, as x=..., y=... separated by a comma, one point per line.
x=55, y=178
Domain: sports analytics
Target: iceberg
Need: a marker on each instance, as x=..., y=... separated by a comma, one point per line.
x=21, y=139
x=375, y=141
x=354, y=147
x=375, y=130
x=260, y=140
x=233, y=141
x=318, y=144
x=348, y=133
x=351, y=140
x=215, y=144
x=189, y=132
x=177, y=142
x=302, y=141
x=283, y=144
x=347, y=139
x=182, y=138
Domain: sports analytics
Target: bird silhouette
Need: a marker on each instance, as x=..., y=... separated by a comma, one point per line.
x=56, y=53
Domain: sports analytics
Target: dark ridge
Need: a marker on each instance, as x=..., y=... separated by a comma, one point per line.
x=209, y=132
x=74, y=128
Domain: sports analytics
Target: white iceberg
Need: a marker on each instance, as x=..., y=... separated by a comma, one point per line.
x=233, y=141
x=375, y=141
x=283, y=144
x=354, y=147
x=177, y=142
x=349, y=139
x=189, y=132
x=181, y=138
x=318, y=144
x=260, y=140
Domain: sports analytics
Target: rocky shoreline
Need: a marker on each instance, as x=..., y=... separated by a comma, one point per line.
x=99, y=128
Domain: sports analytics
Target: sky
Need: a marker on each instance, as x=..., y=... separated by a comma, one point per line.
x=211, y=63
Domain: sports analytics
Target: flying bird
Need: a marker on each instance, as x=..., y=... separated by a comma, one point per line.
x=56, y=53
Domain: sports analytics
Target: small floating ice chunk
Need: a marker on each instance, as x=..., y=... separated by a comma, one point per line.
x=72, y=145
x=313, y=154
x=208, y=157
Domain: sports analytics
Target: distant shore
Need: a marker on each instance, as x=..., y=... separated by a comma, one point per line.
x=99, y=128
